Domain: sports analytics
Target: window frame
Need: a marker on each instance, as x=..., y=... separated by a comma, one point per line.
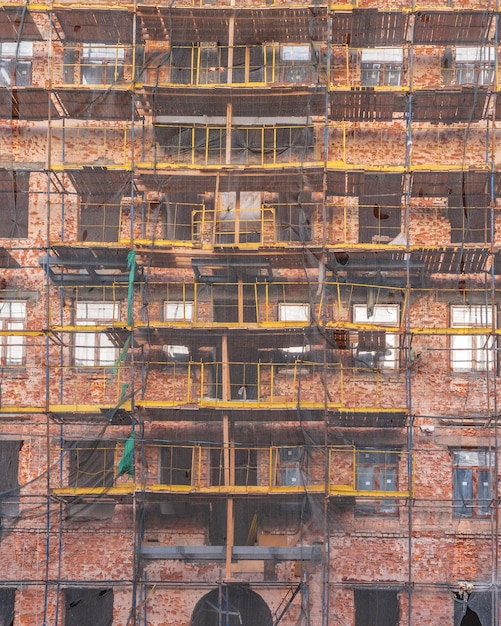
x=304, y=312
x=383, y=472
x=360, y=316
x=479, y=362
x=10, y=344
x=474, y=471
x=95, y=59
x=16, y=61
x=478, y=68
x=381, y=67
x=84, y=453
x=96, y=342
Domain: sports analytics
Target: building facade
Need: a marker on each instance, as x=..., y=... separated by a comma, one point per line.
x=249, y=313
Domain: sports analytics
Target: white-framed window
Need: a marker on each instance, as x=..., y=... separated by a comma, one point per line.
x=475, y=65
x=377, y=471
x=472, y=353
x=298, y=312
x=15, y=63
x=178, y=310
x=377, y=348
x=12, y=347
x=95, y=348
x=472, y=482
x=381, y=67
x=102, y=65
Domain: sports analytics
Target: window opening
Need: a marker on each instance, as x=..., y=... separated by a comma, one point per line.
x=9, y=484
x=377, y=471
x=376, y=607
x=298, y=312
x=95, y=348
x=12, y=347
x=377, y=349
x=472, y=353
x=7, y=606
x=475, y=65
x=176, y=465
x=239, y=217
x=237, y=606
x=381, y=67
x=472, y=483
x=92, y=463
x=101, y=64
x=14, y=198
x=88, y=607
x=15, y=63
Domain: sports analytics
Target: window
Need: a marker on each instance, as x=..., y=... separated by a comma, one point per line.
x=92, y=463
x=178, y=311
x=475, y=65
x=95, y=348
x=99, y=219
x=472, y=353
x=376, y=607
x=101, y=65
x=88, y=607
x=381, y=67
x=293, y=312
x=7, y=604
x=472, y=482
x=376, y=471
x=14, y=199
x=290, y=467
x=15, y=63
x=296, y=64
x=239, y=217
x=12, y=347
x=294, y=222
x=176, y=465
x=377, y=349
x=9, y=484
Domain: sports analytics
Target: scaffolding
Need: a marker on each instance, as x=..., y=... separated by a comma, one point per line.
x=249, y=313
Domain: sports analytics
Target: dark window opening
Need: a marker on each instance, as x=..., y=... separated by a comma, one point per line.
x=473, y=610
x=176, y=465
x=376, y=607
x=99, y=219
x=7, y=606
x=88, y=607
x=9, y=484
x=14, y=199
x=245, y=466
x=233, y=606
x=378, y=223
x=470, y=218
x=92, y=463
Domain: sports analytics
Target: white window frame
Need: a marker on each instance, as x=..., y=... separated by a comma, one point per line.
x=95, y=349
x=178, y=310
x=475, y=65
x=22, y=54
x=12, y=347
x=382, y=315
x=293, y=312
x=382, y=65
x=102, y=56
x=472, y=353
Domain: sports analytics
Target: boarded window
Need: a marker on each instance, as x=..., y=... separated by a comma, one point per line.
x=88, y=607
x=14, y=196
x=376, y=607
